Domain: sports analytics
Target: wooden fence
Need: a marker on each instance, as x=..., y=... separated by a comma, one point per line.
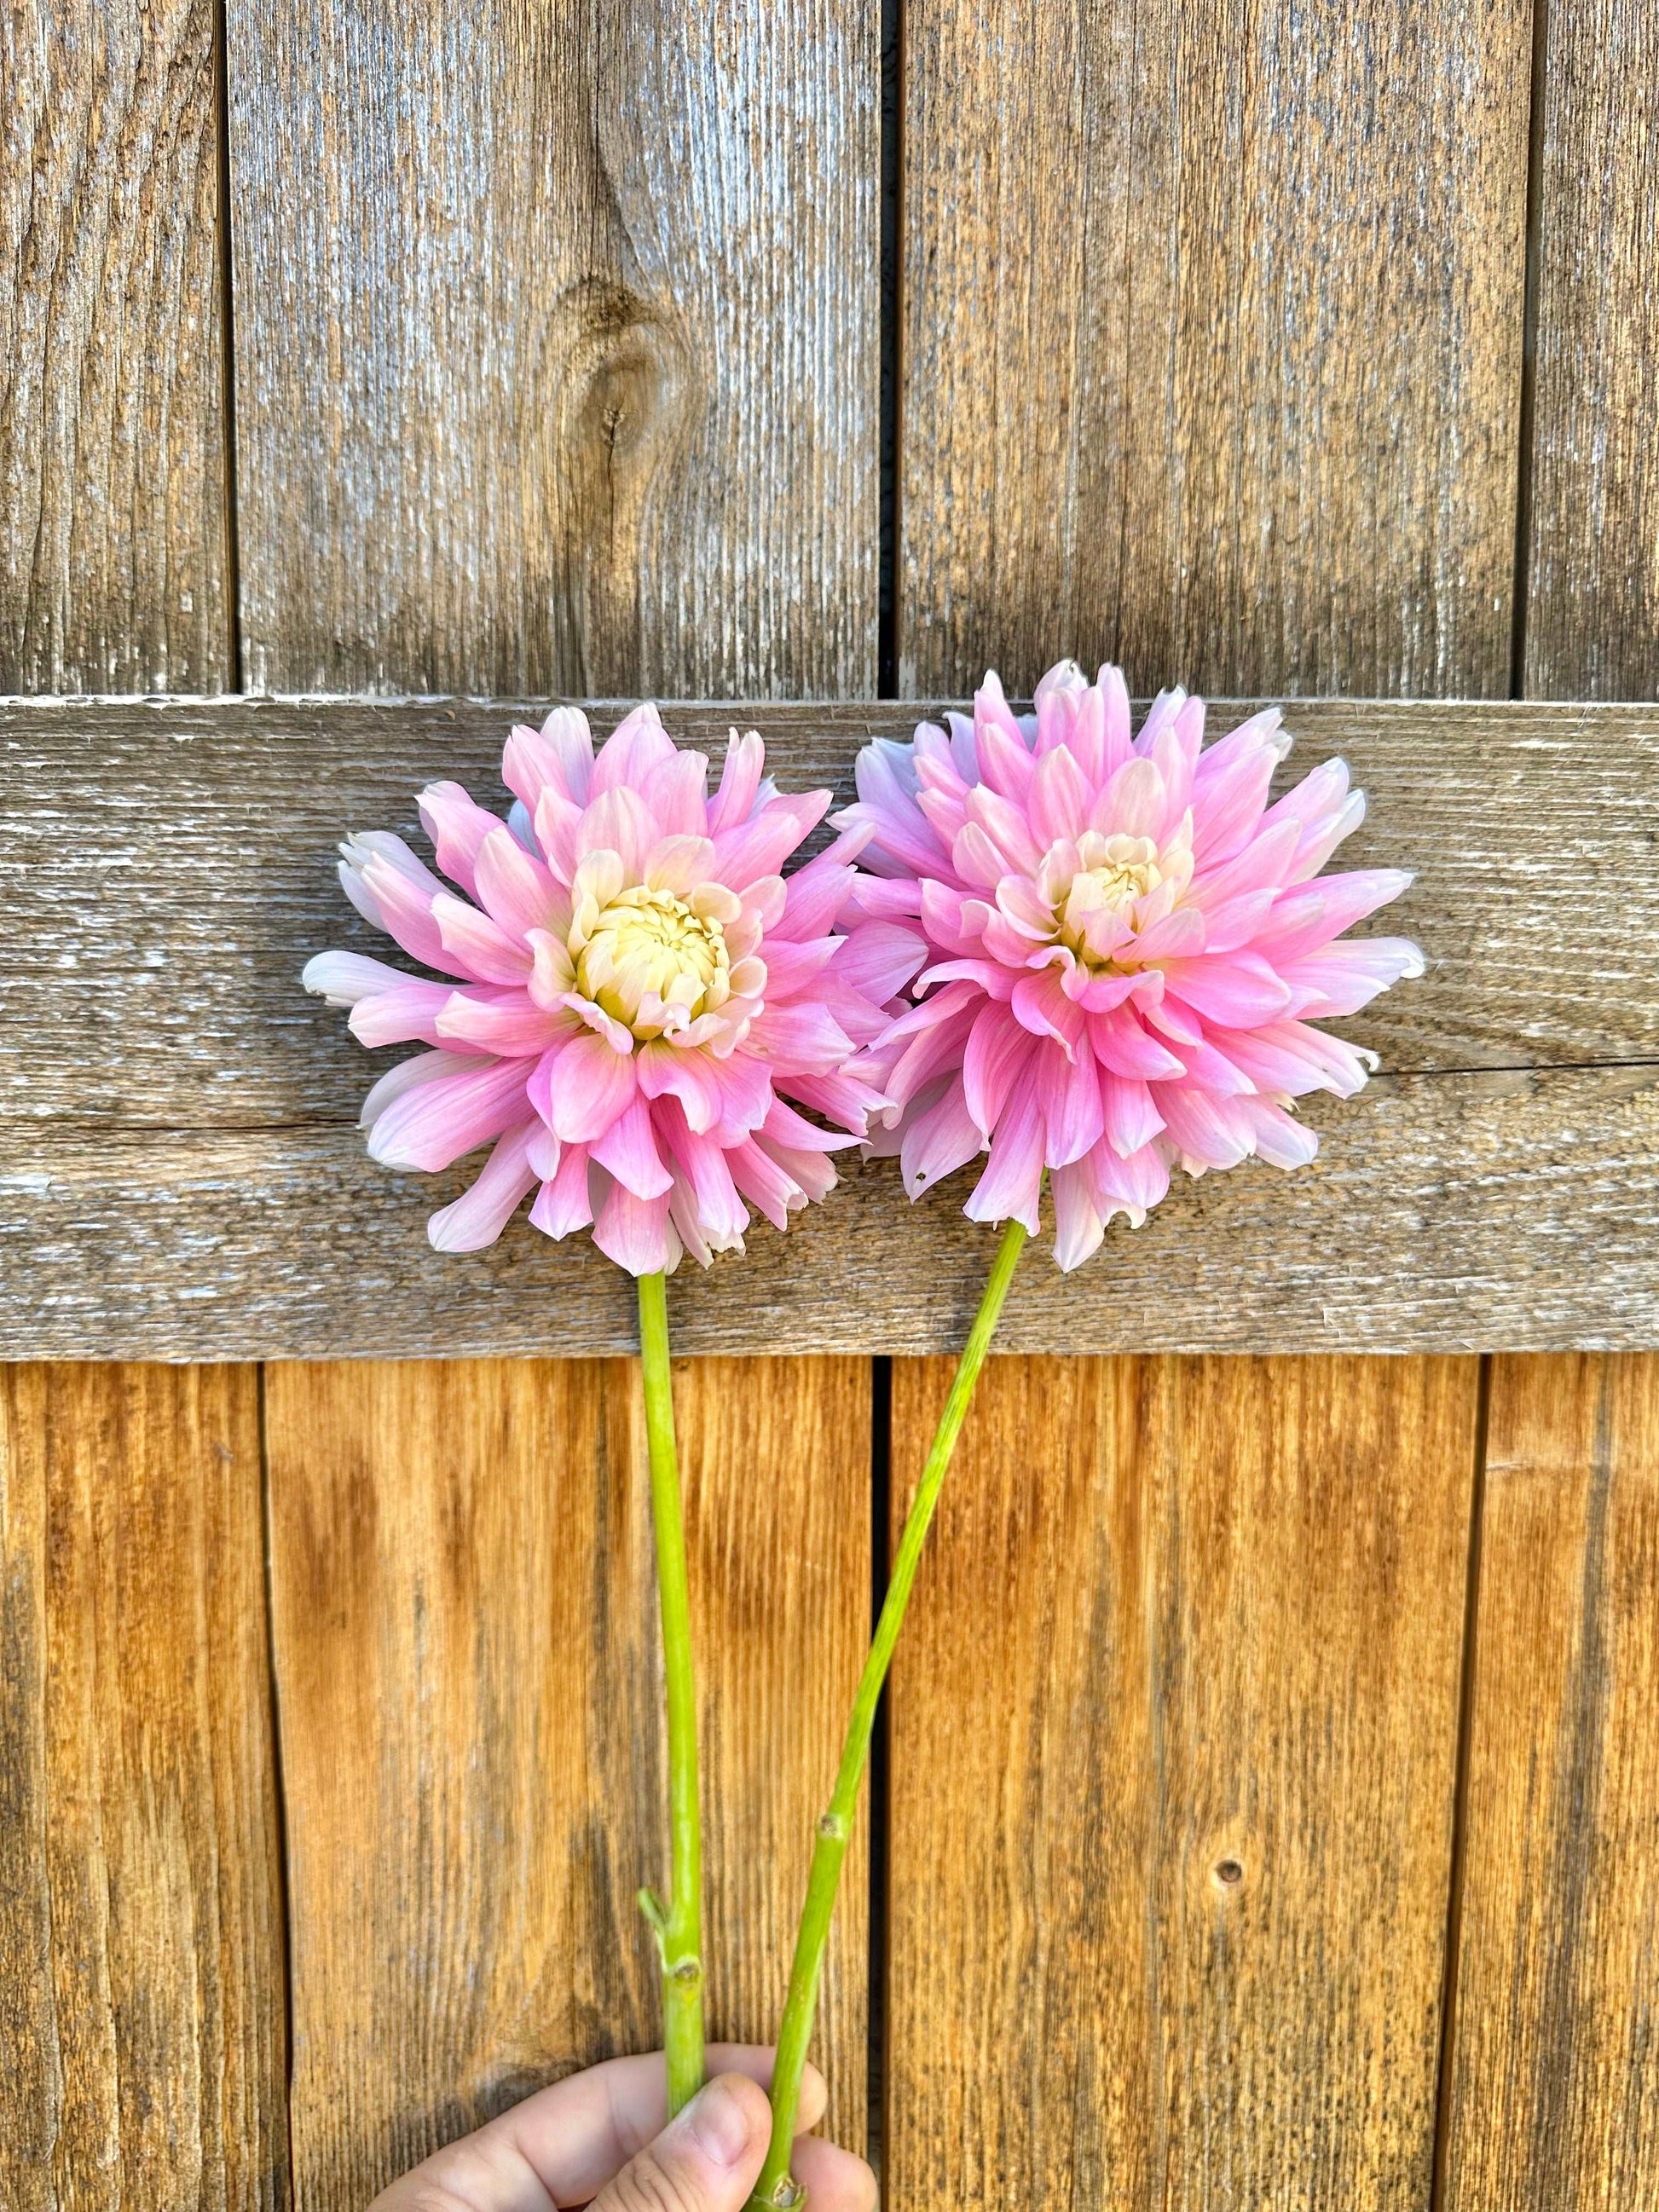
x=1269, y=1814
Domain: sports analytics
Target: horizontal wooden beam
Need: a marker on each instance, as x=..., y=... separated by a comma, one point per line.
x=181, y=1177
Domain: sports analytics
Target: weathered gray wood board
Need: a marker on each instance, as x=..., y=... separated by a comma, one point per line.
x=1212, y=327
x=182, y=1176
x=1592, y=627
x=1444, y=1213
x=112, y=499
x=557, y=344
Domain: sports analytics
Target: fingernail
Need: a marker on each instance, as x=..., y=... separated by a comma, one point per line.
x=719, y=2125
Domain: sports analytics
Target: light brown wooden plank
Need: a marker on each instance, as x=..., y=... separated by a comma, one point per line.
x=1212, y=324
x=1593, y=576
x=167, y=869
x=556, y=348
x=1173, y=1752
x=141, y=1948
x=1553, y=2097
x=112, y=537
x=1443, y=1212
x=466, y=1652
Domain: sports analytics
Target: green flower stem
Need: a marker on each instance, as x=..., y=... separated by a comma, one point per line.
x=775, y=2188
x=678, y=1924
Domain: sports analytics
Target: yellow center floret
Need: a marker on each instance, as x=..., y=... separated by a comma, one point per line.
x=1124, y=871
x=653, y=964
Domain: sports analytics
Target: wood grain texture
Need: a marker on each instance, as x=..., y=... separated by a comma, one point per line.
x=1212, y=327
x=1444, y=1213
x=112, y=520
x=141, y=1948
x=1593, y=547
x=466, y=1652
x=1553, y=2097
x=556, y=347
x=1174, y=1735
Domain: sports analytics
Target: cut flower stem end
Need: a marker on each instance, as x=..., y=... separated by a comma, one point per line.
x=775, y=2190
x=677, y=1925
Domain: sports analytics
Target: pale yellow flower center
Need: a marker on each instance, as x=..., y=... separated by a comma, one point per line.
x=652, y=964
x=1123, y=873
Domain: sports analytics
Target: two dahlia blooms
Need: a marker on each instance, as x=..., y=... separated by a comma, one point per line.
x=1039, y=937
x=1088, y=955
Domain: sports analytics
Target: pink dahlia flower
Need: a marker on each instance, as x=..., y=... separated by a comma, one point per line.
x=1117, y=948
x=632, y=995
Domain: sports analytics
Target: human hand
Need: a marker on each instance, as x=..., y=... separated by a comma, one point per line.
x=602, y=2138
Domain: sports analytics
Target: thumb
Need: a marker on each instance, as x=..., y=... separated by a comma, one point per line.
x=706, y=2160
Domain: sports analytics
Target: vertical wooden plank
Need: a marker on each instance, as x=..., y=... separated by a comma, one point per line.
x=1173, y=1761
x=1592, y=626
x=1212, y=342
x=469, y=1697
x=141, y=1987
x=1552, y=2097
x=557, y=345
x=113, y=550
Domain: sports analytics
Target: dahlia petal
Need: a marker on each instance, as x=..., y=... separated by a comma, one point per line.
x=783, y=1126
x=1072, y=1104
x=760, y=845
x=1079, y=1224
x=1004, y=757
x=664, y=1070
x=1114, y=699
x=744, y=1085
x=1121, y=1045
x=556, y=822
x=565, y=1204
x=813, y=898
x=704, y=1165
x=1343, y=978
x=1280, y=1140
x=811, y=1172
x=637, y=744
x=1129, y=1119
x=1010, y=829
x=764, y=1183
x=990, y=974
x=516, y=890
x=637, y=1233
x=1178, y=936
x=424, y=1067
x=410, y=1011
x=406, y=911
x=1209, y=1132
x=925, y=1056
x=586, y=1086
x=1131, y=1186
x=557, y=757
x=675, y=793
x=881, y=958
x=479, y=1214
x=1041, y=1005
x=734, y=802
x=1133, y=804
x=997, y=1050
x=807, y=1038
x=628, y=1150
x=684, y=863
x=1059, y=797
x=512, y=1025
x=1239, y=923
x=846, y=1098
x=791, y=969
x=1238, y=989
x=1234, y=802
x=617, y=822
x=476, y=946
x=940, y=1141
x=1011, y=1184
x=1305, y=921
x=434, y=1124
x=1266, y=860
x=456, y=825
x=1320, y=839
x=342, y=978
